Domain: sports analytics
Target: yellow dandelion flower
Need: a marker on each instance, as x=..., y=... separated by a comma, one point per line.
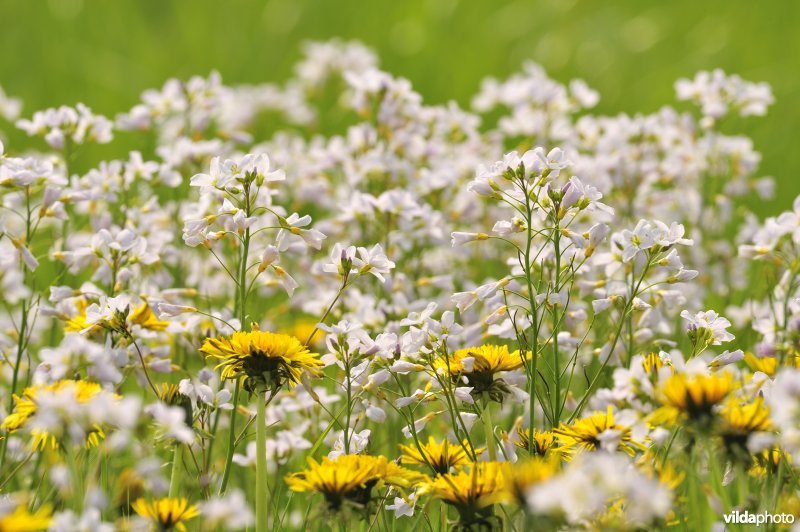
x=544, y=441
x=442, y=456
x=692, y=397
x=472, y=490
x=265, y=360
x=480, y=365
x=167, y=513
x=77, y=322
x=652, y=362
x=350, y=478
x=584, y=434
x=769, y=364
x=25, y=407
x=146, y=318
x=21, y=520
x=766, y=365
x=303, y=328
x=521, y=476
x=767, y=461
x=664, y=470
x=740, y=421
x=129, y=488
x=484, y=359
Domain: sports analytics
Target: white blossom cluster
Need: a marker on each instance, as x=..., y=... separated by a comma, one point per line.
x=409, y=233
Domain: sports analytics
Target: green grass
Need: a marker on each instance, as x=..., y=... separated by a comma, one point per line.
x=105, y=53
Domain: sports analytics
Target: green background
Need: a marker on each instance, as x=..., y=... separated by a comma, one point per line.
x=105, y=53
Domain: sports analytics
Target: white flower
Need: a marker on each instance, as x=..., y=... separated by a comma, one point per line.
x=227, y=512
x=172, y=420
x=168, y=310
x=464, y=394
x=344, y=261
x=612, y=477
x=403, y=507
x=373, y=261
x=459, y=238
x=712, y=322
x=293, y=231
x=358, y=442
x=642, y=238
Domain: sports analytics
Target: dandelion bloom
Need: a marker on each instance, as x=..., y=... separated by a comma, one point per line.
x=471, y=490
x=25, y=407
x=21, y=520
x=265, y=360
x=351, y=478
x=544, y=441
x=441, y=456
x=521, y=475
x=480, y=365
x=692, y=396
x=589, y=434
x=740, y=421
x=167, y=513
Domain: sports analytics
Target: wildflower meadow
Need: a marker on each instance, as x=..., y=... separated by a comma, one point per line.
x=514, y=315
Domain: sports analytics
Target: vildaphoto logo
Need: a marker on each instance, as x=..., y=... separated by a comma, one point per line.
x=737, y=517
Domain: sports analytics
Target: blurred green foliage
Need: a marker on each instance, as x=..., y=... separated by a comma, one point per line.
x=105, y=53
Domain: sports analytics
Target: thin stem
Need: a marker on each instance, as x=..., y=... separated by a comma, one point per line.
x=175, y=478
x=261, y=464
x=231, y=440
x=241, y=304
x=491, y=444
x=556, y=324
x=144, y=368
x=329, y=309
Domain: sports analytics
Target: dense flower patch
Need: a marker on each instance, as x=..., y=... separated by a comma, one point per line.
x=326, y=303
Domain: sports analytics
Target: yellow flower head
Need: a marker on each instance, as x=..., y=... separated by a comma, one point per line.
x=652, y=362
x=471, y=490
x=265, y=360
x=664, y=470
x=77, y=322
x=480, y=365
x=25, y=407
x=302, y=327
x=583, y=434
x=740, y=421
x=544, y=442
x=484, y=359
x=166, y=513
x=766, y=365
x=441, y=456
x=350, y=478
x=526, y=473
x=129, y=488
x=693, y=397
x=21, y=520
x=768, y=461
x=144, y=317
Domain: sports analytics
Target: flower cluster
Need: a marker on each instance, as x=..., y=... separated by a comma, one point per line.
x=385, y=313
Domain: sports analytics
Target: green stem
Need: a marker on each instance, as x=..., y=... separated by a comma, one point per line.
x=175, y=478
x=23, y=327
x=77, y=479
x=262, y=504
x=491, y=444
x=556, y=322
x=241, y=304
x=534, y=343
x=231, y=440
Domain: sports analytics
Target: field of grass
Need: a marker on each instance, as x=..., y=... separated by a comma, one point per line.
x=105, y=53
